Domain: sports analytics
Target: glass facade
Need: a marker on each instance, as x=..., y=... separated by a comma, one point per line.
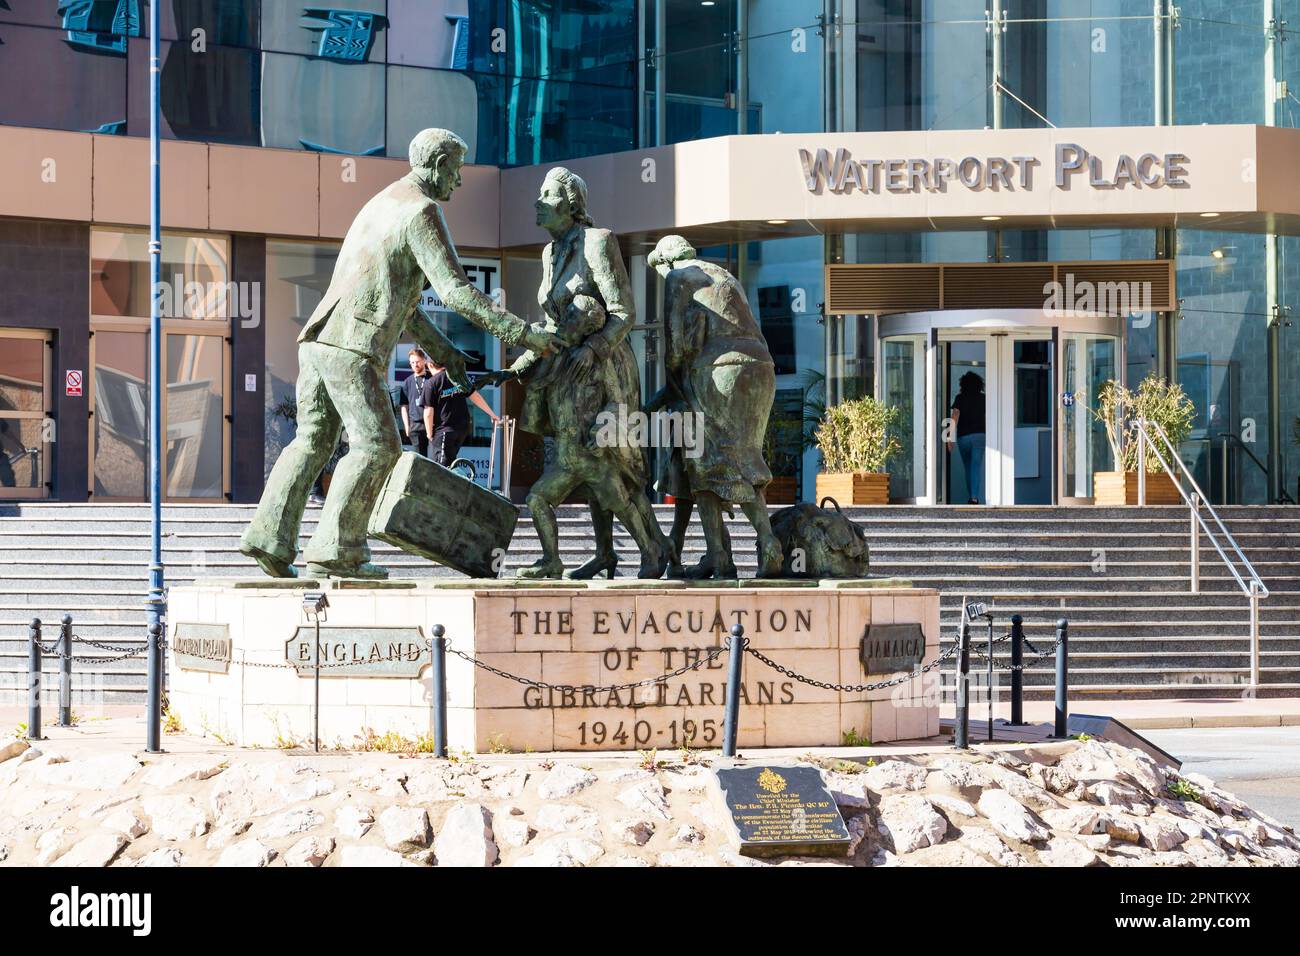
x=525, y=81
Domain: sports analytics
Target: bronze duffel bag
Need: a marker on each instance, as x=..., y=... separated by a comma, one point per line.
x=434, y=512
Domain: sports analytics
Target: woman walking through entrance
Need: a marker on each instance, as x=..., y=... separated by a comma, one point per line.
x=968, y=416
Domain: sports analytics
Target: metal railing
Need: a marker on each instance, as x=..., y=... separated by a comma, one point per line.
x=1251, y=585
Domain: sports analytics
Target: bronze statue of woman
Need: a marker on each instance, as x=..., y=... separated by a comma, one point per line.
x=587, y=298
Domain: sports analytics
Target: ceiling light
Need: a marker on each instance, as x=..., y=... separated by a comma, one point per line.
x=990, y=218
x=777, y=222
x=1209, y=215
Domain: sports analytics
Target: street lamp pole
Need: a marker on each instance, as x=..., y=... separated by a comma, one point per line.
x=157, y=595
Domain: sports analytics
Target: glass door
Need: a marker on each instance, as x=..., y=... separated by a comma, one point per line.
x=1088, y=360
x=196, y=441
x=1026, y=391
x=967, y=418
x=24, y=399
x=903, y=387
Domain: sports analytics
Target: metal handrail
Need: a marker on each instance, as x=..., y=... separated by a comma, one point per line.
x=1255, y=590
x=1235, y=440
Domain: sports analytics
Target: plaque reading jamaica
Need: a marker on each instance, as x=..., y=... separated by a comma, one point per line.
x=782, y=811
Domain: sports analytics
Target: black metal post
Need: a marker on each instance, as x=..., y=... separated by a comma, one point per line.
x=1017, y=675
x=34, y=682
x=990, y=678
x=153, y=701
x=316, y=740
x=1062, y=677
x=65, y=673
x=438, y=676
x=731, y=721
x=961, y=733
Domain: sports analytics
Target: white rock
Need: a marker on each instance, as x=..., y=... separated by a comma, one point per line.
x=309, y=851
x=405, y=828
x=128, y=821
x=176, y=817
x=92, y=810
x=1282, y=855
x=511, y=831
x=857, y=827
x=634, y=832
x=564, y=780
x=246, y=853
x=1121, y=828
x=290, y=823
x=730, y=857
x=368, y=856
x=105, y=772
x=952, y=806
x=504, y=784
x=97, y=849
x=1095, y=841
x=465, y=838
x=51, y=843
x=911, y=822
x=353, y=820
x=849, y=790
x=631, y=861
x=686, y=858
x=629, y=775
x=1062, y=851
x=564, y=851
x=171, y=771
x=1073, y=819
x=1161, y=833
x=646, y=797
x=380, y=780
x=687, y=835
x=1009, y=818
x=563, y=817
x=164, y=856
x=1115, y=795
x=220, y=838
x=990, y=845
x=894, y=774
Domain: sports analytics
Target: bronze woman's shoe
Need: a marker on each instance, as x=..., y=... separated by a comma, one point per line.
x=710, y=567
x=600, y=564
x=275, y=567
x=340, y=569
x=542, y=570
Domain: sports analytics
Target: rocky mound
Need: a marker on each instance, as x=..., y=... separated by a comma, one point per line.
x=1068, y=804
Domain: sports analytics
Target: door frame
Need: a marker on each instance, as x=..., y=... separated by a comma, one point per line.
x=993, y=326
x=45, y=414
x=209, y=327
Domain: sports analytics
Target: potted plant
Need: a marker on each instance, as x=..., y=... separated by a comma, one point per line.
x=781, y=451
x=856, y=439
x=1119, y=410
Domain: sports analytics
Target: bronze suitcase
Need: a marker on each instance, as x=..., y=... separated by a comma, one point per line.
x=434, y=512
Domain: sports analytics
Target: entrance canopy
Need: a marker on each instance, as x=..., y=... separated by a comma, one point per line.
x=742, y=188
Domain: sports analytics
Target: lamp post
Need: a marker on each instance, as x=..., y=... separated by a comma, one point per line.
x=157, y=594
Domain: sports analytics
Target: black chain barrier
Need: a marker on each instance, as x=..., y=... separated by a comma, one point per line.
x=1040, y=655
x=850, y=688
x=612, y=688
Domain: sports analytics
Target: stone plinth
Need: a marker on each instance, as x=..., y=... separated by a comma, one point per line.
x=578, y=637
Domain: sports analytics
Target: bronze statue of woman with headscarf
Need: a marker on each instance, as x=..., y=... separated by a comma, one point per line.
x=587, y=299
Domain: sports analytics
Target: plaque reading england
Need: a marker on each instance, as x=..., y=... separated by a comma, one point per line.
x=202, y=647
x=782, y=811
x=359, y=651
x=890, y=648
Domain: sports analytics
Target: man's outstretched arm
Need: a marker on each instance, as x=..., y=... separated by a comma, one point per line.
x=436, y=255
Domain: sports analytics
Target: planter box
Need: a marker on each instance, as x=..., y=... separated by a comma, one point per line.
x=1112, y=488
x=782, y=490
x=854, y=487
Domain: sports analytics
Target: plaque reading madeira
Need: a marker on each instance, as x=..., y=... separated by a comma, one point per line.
x=782, y=811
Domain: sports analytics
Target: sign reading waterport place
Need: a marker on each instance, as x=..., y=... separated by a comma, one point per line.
x=781, y=811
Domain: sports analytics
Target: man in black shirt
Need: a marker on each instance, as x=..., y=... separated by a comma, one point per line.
x=413, y=401
x=446, y=417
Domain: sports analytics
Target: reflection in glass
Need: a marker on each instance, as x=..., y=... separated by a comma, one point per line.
x=121, y=413
x=323, y=105
x=1089, y=364
x=193, y=443
x=66, y=87
x=194, y=277
x=21, y=441
x=903, y=387
x=22, y=375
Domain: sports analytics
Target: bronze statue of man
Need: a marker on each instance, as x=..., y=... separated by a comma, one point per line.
x=719, y=368
x=397, y=243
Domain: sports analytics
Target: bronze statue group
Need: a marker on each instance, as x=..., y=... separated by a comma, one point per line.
x=578, y=365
